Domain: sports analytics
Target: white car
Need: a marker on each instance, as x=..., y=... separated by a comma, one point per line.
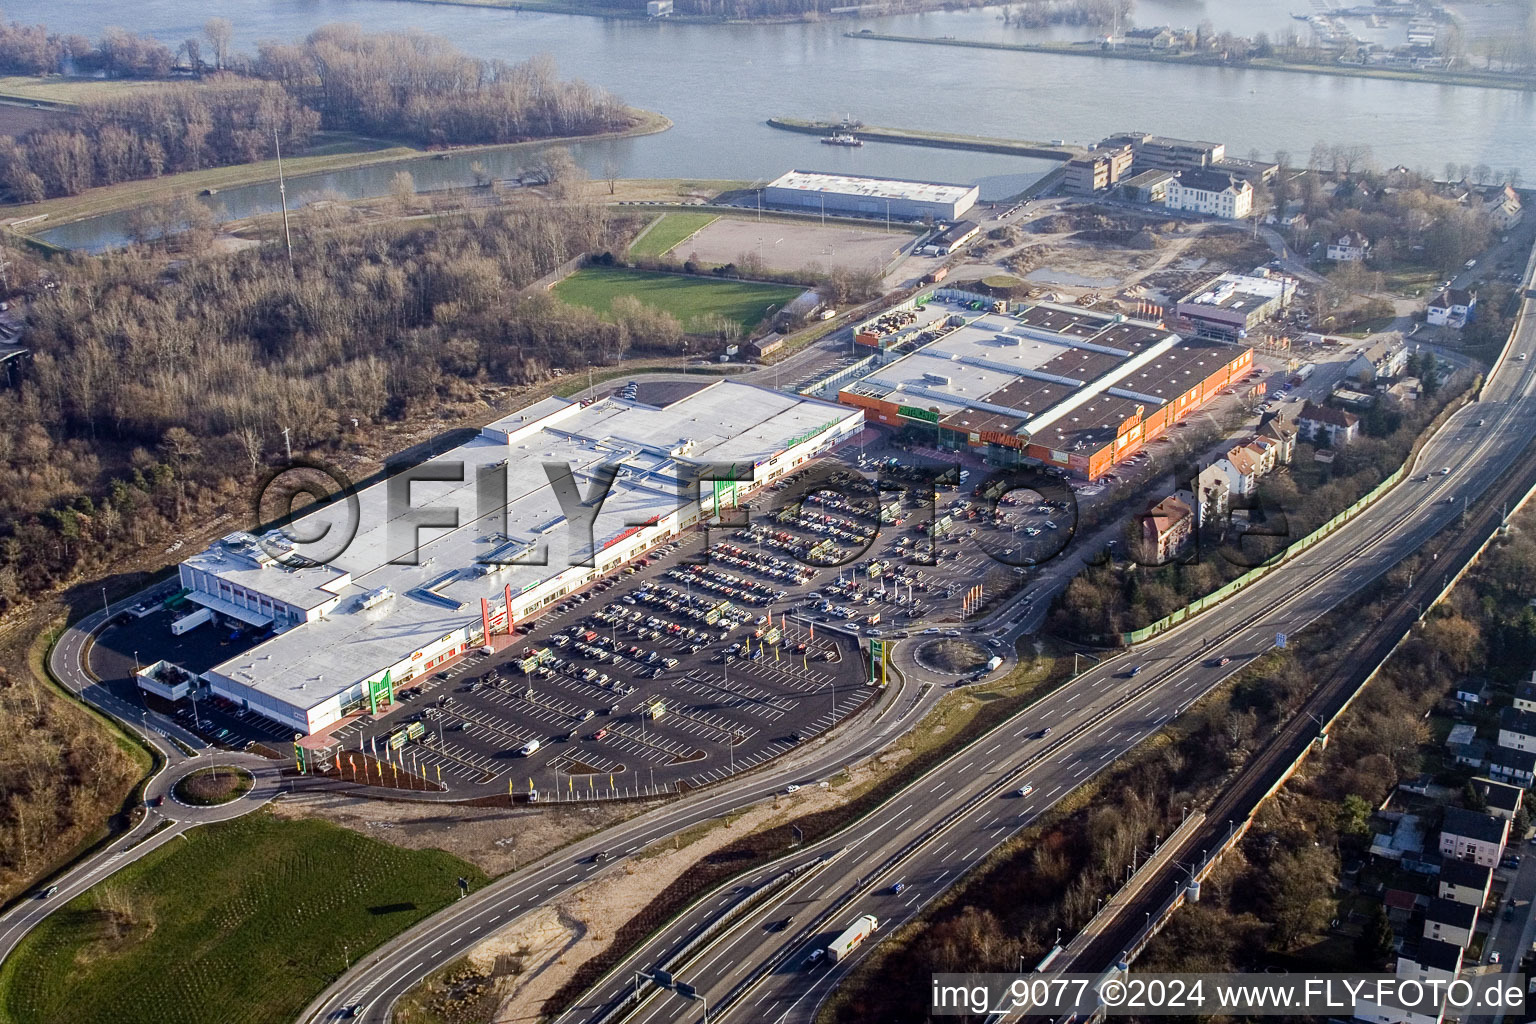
x=1024, y=790
x=527, y=749
x=791, y=788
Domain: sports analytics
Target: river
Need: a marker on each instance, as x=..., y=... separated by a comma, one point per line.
x=719, y=83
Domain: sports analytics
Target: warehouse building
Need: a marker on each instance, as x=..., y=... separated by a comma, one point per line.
x=1232, y=305
x=870, y=197
x=1052, y=384
x=401, y=598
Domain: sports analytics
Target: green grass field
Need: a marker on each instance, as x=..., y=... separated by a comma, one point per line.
x=668, y=230
x=686, y=298
x=243, y=922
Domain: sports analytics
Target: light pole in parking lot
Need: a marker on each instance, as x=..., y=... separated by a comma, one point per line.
x=106, y=609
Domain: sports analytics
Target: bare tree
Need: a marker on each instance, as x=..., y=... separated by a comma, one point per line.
x=611, y=174
x=219, y=32
x=402, y=188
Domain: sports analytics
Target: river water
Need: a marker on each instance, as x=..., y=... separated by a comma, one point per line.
x=719, y=83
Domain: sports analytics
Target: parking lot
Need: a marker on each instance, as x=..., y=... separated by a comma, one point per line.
x=144, y=634
x=711, y=655
x=678, y=672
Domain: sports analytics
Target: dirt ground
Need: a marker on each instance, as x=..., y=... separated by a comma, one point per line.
x=791, y=246
x=494, y=839
x=531, y=958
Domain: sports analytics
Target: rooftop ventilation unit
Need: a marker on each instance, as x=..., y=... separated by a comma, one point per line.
x=377, y=597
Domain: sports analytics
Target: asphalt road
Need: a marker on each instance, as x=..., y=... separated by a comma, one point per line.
x=155, y=825
x=1095, y=719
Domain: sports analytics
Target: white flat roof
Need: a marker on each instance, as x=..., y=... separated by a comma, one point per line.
x=873, y=188
x=728, y=422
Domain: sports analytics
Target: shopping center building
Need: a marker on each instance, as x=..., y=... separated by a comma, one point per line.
x=480, y=533
x=1051, y=384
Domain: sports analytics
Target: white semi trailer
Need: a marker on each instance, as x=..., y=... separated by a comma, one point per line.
x=852, y=936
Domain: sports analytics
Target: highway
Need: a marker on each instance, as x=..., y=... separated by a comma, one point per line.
x=1094, y=720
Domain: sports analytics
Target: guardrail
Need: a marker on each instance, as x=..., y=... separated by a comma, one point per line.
x=705, y=937
x=1375, y=494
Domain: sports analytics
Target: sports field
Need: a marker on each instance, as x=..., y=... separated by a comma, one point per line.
x=243, y=922
x=669, y=230
x=794, y=245
x=687, y=298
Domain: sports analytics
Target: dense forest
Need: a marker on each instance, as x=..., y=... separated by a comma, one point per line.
x=152, y=386
x=147, y=133
x=32, y=50
x=412, y=86
x=420, y=87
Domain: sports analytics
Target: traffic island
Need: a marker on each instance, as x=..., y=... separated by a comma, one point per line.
x=952, y=655
x=209, y=787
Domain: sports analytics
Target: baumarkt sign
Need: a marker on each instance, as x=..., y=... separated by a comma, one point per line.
x=912, y=412
x=877, y=654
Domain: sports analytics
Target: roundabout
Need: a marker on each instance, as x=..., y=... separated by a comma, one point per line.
x=212, y=786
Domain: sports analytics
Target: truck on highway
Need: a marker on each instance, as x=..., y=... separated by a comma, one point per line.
x=852, y=936
x=1303, y=372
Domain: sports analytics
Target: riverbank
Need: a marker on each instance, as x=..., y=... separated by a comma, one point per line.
x=1473, y=79
x=939, y=140
x=600, y=10
x=346, y=153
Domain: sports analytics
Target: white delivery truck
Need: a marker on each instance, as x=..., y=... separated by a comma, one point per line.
x=852, y=936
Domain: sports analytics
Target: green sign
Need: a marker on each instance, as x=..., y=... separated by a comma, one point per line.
x=876, y=662
x=912, y=412
x=379, y=692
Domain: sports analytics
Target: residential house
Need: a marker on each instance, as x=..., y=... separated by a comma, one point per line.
x=1383, y=359
x=1349, y=248
x=1283, y=436
x=1435, y=960
x=1166, y=527
x=1465, y=882
x=1404, y=842
x=1291, y=217
x=1400, y=905
x=1517, y=767
x=1473, y=836
x=1501, y=205
x=1241, y=467
x=1502, y=799
x=1465, y=747
x=1212, y=494
x=1338, y=427
x=1472, y=691
x=1213, y=193
x=1517, y=729
x=1453, y=307
x=1450, y=921
x=1525, y=694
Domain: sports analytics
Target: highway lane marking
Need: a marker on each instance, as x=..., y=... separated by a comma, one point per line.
x=1080, y=772
x=973, y=850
